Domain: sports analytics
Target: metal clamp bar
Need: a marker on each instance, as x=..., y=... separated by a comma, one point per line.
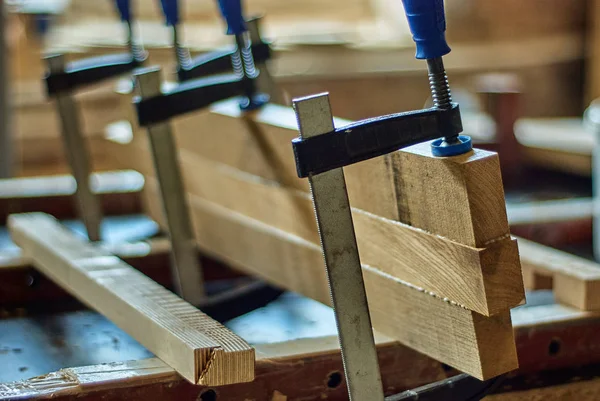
x=342, y=261
x=460, y=388
x=186, y=97
x=370, y=138
x=76, y=149
x=186, y=271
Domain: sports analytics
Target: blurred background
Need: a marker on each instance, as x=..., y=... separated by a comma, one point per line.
x=524, y=73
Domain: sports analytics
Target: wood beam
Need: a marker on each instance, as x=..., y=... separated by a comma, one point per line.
x=575, y=280
x=196, y=346
x=252, y=211
x=55, y=195
x=466, y=191
x=481, y=346
x=406, y=185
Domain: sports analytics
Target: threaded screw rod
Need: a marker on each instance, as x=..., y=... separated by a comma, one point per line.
x=243, y=64
x=440, y=90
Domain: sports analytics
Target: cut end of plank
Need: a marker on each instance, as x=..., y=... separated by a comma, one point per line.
x=502, y=276
x=495, y=335
x=226, y=368
x=473, y=204
x=200, y=349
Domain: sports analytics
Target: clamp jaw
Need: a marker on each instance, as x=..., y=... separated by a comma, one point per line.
x=240, y=59
x=219, y=61
x=371, y=138
x=375, y=137
x=187, y=97
x=88, y=71
x=92, y=70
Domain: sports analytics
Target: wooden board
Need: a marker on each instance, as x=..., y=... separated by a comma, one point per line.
x=483, y=347
x=247, y=170
x=55, y=194
x=200, y=349
x=562, y=144
x=260, y=144
x=575, y=280
x=486, y=280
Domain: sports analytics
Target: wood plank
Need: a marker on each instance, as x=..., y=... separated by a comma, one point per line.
x=483, y=347
x=460, y=197
x=486, y=280
x=55, y=194
x=562, y=144
x=575, y=280
x=549, y=211
x=259, y=144
x=200, y=349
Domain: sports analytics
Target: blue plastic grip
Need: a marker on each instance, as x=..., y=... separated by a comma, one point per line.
x=427, y=23
x=170, y=10
x=232, y=13
x=124, y=8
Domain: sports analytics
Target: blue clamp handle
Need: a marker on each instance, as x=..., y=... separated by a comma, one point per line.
x=427, y=22
x=170, y=10
x=124, y=8
x=232, y=13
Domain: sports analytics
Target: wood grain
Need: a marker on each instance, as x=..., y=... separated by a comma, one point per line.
x=460, y=197
x=199, y=348
x=486, y=280
x=483, y=347
x=118, y=191
x=252, y=211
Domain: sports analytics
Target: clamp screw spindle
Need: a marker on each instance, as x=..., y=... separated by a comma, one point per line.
x=242, y=60
x=427, y=22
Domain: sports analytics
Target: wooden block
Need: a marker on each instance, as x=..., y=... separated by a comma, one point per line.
x=481, y=346
x=576, y=281
x=255, y=186
x=118, y=191
x=199, y=348
x=260, y=144
x=485, y=280
x=406, y=185
x=460, y=197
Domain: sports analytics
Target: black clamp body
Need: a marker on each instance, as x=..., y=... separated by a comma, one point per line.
x=373, y=137
x=90, y=71
x=188, y=96
x=219, y=61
